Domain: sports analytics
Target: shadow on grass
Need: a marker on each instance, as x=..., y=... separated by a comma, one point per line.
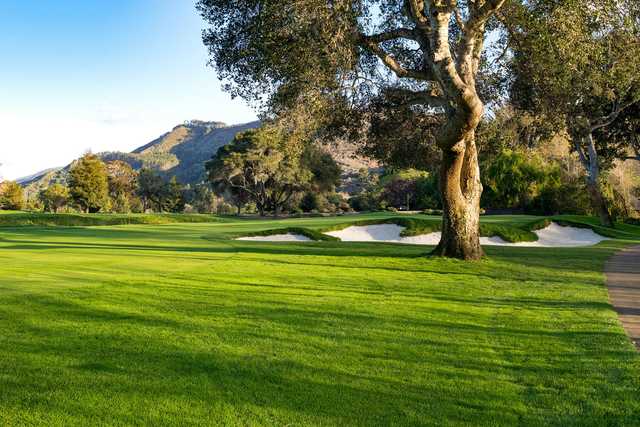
x=330, y=367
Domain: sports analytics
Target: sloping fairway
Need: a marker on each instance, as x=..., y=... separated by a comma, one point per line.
x=177, y=324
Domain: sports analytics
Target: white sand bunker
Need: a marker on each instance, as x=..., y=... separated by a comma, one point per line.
x=553, y=235
x=289, y=237
x=382, y=233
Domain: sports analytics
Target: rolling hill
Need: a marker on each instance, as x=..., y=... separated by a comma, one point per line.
x=180, y=152
x=183, y=151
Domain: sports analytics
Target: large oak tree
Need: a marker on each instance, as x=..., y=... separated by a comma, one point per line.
x=428, y=51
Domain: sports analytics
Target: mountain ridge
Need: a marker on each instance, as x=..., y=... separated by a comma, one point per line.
x=181, y=152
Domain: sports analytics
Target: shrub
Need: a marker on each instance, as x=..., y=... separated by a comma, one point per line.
x=225, y=209
x=525, y=181
x=632, y=221
x=312, y=201
x=366, y=201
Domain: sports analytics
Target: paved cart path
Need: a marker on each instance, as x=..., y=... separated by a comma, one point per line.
x=623, y=280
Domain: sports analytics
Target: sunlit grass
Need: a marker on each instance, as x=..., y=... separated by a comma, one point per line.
x=178, y=324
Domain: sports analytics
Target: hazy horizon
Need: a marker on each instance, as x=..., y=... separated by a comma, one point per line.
x=101, y=76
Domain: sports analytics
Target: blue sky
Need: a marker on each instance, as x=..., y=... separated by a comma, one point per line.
x=100, y=75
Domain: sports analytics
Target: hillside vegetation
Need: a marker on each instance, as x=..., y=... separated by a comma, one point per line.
x=182, y=153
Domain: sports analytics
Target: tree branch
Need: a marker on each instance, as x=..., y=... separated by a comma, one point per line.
x=397, y=33
x=391, y=63
x=460, y=19
x=489, y=8
x=607, y=120
x=421, y=98
x=470, y=49
x=417, y=15
x=442, y=60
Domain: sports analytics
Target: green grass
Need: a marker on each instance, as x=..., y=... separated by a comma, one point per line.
x=178, y=324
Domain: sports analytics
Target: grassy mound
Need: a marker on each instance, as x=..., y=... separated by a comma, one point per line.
x=417, y=227
x=307, y=232
x=507, y=233
x=619, y=231
x=19, y=219
x=413, y=226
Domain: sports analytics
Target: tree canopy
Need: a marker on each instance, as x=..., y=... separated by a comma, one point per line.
x=89, y=184
x=260, y=165
x=11, y=196
x=54, y=197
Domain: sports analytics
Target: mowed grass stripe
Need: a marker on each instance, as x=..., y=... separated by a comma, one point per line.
x=158, y=325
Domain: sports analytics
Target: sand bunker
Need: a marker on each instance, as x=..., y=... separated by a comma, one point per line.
x=553, y=235
x=289, y=237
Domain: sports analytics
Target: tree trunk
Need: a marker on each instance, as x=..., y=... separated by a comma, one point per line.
x=599, y=203
x=592, y=165
x=461, y=190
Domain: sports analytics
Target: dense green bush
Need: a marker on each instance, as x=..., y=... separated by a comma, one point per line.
x=407, y=189
x=365, y=201
x=525, y=181
x=312, y=201
x=410, y=189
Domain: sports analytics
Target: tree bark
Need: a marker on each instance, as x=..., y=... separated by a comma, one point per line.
x=599, y=203
x=592, y=166
x=461, y=190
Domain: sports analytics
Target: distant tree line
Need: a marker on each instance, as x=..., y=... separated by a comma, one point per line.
x=258, y=172
x=93, y=186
